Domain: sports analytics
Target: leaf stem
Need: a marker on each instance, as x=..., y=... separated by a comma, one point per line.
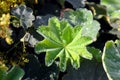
x=15, y=45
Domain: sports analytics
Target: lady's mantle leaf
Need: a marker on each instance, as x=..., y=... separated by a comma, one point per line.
x=46, y=45
x=15, y=73
x=111, y=60
x=97, y=53
x=84, y=18
x=25, y=15
x=91, y=30
x=79, y=17
x=64, y=42
x=89, y=70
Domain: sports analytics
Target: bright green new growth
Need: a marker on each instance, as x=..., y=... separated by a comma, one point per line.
x=111, y=59
x=64, y=42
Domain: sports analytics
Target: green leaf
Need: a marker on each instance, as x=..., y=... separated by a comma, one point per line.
x=67, y=31
x=2, y=74
x=80, y=41
x=112, y=5
x=89, y=70
x=63, y=59
x=16, y=73
x=79, y=17
x=115, y=14
x=36, y=69
x=46, y=45
x=75, y=59
x=51, y=32
x=97, y=54
x=91, y=30
x=3, y=71
x=51, y=56
x=111, y=59
x=84, y=18
x=63, y=42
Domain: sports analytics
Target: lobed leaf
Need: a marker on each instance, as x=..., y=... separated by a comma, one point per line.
x=46, y=45
x=89, y=70
x=63, y=59
x=24, y=14
x=51, y=56
x=91, y=30
x=97, y=54
x=111, y=59
x=84, y=18
x=64, y=42
x=79, y=17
